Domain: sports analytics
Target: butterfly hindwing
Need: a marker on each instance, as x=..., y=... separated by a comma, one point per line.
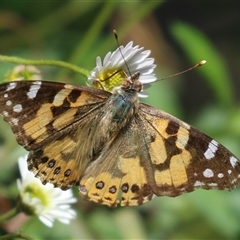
x=63, y=160
x=57, y=162
x=119, y=174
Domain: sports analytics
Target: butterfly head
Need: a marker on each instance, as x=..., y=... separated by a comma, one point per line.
x=132, y=83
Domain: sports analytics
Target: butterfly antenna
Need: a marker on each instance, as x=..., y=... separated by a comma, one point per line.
x=184, y=71
x=199, y=64
x=116, y=37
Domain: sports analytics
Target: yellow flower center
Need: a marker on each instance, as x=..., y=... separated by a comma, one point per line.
x=110, y=79
x=36, y=191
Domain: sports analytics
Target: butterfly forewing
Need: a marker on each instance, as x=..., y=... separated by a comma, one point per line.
x=39, y=111
x=184, y=158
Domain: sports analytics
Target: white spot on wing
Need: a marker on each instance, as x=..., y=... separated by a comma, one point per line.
x=68, y=86
x=199, y=184
x=15, y=121
x=34, y=90
x=220, y=175
x=5, y=113
x=8, y=103
x=11, y=86
x=5, y=95
x=208, y=173
x=229, y=171
x=212, y=148
x=233, y=161
x=37, y=82
x=212, y=184
x=17, y=108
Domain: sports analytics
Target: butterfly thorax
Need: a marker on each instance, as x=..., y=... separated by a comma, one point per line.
x=120, y=108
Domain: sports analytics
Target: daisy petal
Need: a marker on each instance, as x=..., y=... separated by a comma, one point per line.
x=126, y=60
x=45, y=201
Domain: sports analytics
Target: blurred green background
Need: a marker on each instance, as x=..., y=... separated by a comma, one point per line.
x=180, y=34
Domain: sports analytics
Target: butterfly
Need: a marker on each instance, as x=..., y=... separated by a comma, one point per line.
x=114, y=148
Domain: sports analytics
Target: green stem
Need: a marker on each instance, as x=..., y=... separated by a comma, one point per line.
x=14, y=236
x=93, y=32
x=8, y=215
x=56, y=63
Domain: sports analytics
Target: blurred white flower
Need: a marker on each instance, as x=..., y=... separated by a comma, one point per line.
x=22, y=72
x=45, y=201
x=110, y=72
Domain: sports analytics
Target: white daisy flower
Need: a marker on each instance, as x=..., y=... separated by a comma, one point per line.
x=110, y=72
x=45, y=201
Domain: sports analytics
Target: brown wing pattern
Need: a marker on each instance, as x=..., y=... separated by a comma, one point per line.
x=184, y=158
x=65, y=129
x=39, y=111
x=63, y=160
x=52, y=120
x=119, y=174
x=158, y=154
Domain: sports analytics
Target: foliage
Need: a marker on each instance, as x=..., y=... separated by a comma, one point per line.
x=77, y=32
